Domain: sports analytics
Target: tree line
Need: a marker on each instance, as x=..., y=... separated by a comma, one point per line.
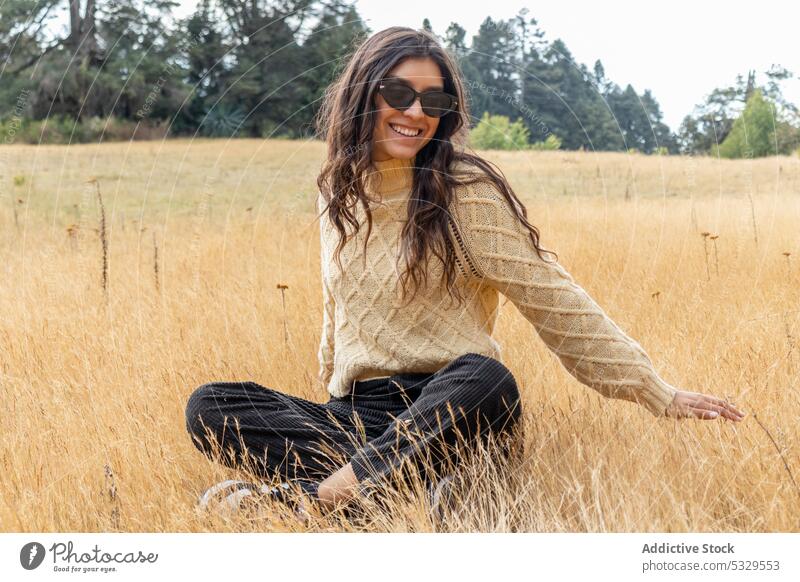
x=72, y=70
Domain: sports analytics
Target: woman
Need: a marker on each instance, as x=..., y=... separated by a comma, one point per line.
x=411, y=367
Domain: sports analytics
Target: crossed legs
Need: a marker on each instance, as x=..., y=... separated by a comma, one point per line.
x=292, y=438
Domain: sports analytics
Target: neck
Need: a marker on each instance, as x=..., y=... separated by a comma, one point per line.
x=391, y=176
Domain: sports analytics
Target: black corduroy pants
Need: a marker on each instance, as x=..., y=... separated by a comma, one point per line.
x=415, y=417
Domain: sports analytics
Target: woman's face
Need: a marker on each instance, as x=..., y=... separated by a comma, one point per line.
x=422, y=74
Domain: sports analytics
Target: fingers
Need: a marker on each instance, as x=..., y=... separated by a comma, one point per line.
x=723, y=408
x=711, y=407
x=704, y=414
x=732, y=413
x=703, y=407
x=735, y=411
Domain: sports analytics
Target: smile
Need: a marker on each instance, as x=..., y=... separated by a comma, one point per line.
x=405, y=131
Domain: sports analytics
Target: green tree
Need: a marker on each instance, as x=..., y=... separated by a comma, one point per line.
x=551, y=143
x=562, y=98
x=455, y=39
x=112, y=58
x=496, y=132
x=141, y=76
x=338, y=31
x=455, y=42
x=493, y=66
x=267, y=63
x=712, y=121
x=26, y=39
x=24, y=35
x=204, y=46
x=753, y=133
x=640, y=122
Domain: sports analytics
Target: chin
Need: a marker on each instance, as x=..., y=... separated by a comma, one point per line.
x=403, y=153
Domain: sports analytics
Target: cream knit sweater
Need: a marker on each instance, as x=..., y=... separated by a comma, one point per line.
x=364, y=334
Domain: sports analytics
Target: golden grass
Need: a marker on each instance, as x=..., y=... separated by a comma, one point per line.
x=94, y=391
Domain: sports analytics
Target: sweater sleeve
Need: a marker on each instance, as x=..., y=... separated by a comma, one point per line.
x=326, y=344
x=588, y=343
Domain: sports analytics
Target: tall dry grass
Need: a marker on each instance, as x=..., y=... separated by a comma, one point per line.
x=93, y=391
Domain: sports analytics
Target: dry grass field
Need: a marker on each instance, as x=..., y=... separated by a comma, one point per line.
x=198, y=236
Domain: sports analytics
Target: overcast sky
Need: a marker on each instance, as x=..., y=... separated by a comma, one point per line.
x=681, y=50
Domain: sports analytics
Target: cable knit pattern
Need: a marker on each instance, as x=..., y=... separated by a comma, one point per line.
x=365, y=334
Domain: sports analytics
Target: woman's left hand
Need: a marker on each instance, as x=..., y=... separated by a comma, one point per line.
x=702, y=406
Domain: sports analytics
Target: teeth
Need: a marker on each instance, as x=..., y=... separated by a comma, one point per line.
x=404, y=131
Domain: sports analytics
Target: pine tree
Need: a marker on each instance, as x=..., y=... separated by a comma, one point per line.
x=325, y=51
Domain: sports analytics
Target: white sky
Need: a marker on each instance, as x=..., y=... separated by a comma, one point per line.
x=681, y=50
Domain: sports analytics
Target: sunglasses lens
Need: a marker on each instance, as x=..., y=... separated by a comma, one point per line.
x=437, y=104
x=398, y=96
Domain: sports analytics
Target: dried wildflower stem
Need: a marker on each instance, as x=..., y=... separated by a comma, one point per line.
x=72, y=235
x=788, y=266
x=155, y=262
x=705, y=253
x=753, y=217
x=16, y=218
x=103, y=239
x=111, y=487
x=716, y=257
x=780, y=453
x=283, y=288
x=789, y=341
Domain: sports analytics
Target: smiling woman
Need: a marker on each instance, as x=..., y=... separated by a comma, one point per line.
x=411, y=375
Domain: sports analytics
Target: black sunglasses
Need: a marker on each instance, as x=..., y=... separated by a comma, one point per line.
x=400, y=96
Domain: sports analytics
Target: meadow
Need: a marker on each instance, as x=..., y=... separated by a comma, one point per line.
x=134, y=272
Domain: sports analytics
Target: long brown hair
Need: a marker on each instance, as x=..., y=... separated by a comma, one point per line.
x=346, y=121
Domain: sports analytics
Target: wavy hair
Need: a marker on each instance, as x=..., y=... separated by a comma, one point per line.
x=346, y=121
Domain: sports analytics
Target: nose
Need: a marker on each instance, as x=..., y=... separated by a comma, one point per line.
x=415, y=110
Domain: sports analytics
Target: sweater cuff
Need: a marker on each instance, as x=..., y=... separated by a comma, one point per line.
x=657, y=394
